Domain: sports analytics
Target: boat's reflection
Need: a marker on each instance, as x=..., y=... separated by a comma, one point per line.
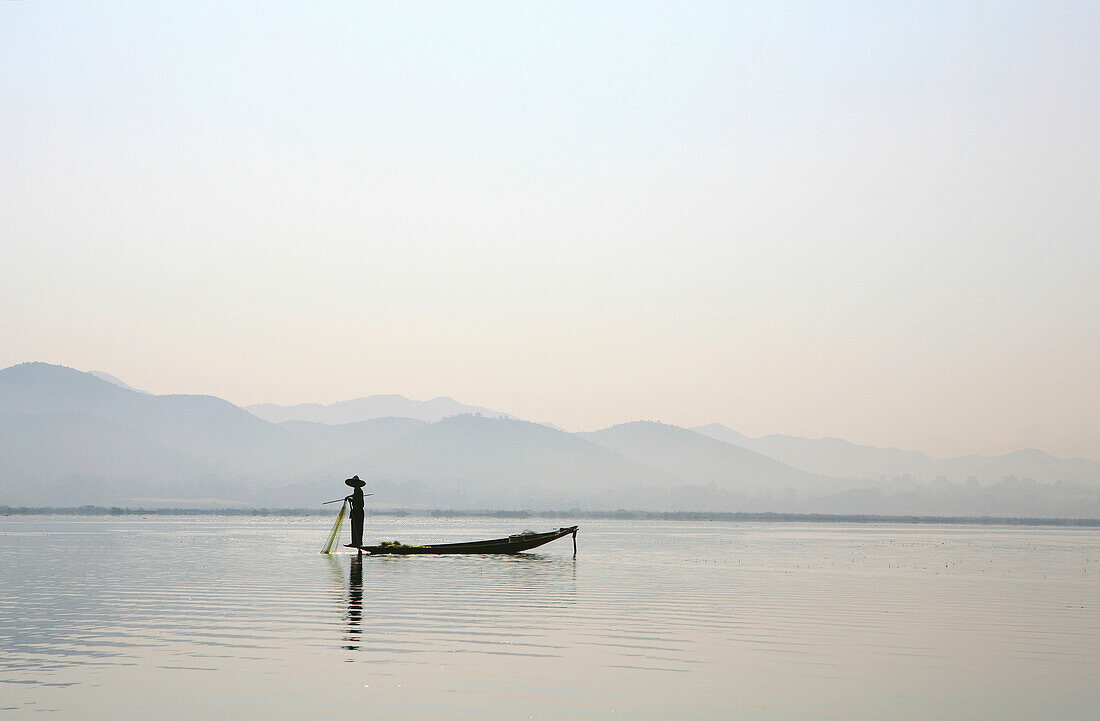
x=537, y=572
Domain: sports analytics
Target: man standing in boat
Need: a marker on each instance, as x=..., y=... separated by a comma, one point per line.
x=356, y=500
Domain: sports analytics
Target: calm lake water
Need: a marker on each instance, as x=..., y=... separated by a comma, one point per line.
x=206, y=617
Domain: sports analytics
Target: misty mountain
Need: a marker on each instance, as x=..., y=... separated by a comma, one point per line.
x=341, y=446
x=230, y=439
x=500, y=462
x=836, y=457
x=701, y=460
x=362, y=409
x=111, y=437
x=69, y=438
x=46, y=452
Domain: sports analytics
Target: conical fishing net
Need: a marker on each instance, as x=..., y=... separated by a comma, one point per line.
x=334, y=536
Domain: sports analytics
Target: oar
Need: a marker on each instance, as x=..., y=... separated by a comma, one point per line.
x=339, y=500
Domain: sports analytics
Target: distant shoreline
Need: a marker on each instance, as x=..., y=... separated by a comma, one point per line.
x=571, y=514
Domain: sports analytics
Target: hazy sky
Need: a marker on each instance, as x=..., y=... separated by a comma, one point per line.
x=874, y=221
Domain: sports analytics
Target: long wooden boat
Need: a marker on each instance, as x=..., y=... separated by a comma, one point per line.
x=511, y=544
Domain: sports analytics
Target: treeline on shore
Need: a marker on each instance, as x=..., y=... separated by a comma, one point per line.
x=621, y=514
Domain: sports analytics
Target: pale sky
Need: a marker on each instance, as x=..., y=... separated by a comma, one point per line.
x=872, y=221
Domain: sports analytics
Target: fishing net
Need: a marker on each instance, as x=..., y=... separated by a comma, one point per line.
x=334, y=536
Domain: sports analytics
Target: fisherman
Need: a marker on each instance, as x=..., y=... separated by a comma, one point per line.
x=356, y=501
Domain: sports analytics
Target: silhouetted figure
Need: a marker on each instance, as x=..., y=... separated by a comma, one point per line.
x=356, y=500
x=355, y=604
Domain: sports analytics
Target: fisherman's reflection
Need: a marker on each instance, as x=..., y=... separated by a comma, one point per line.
x=354, y=634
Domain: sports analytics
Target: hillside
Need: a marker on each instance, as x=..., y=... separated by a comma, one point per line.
x=337, y=448
x=698, y=459
x=224, y=436
x=73, y=459
x=833, y=456
x=472, y=461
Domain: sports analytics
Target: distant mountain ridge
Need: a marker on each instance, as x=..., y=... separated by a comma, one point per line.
x=700, y=459
x=369, y=407
x=70, y=438
x=501, y=462
x=225, y=436
x=836, y=457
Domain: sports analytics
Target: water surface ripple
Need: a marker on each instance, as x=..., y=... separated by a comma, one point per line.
x=180, y=617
